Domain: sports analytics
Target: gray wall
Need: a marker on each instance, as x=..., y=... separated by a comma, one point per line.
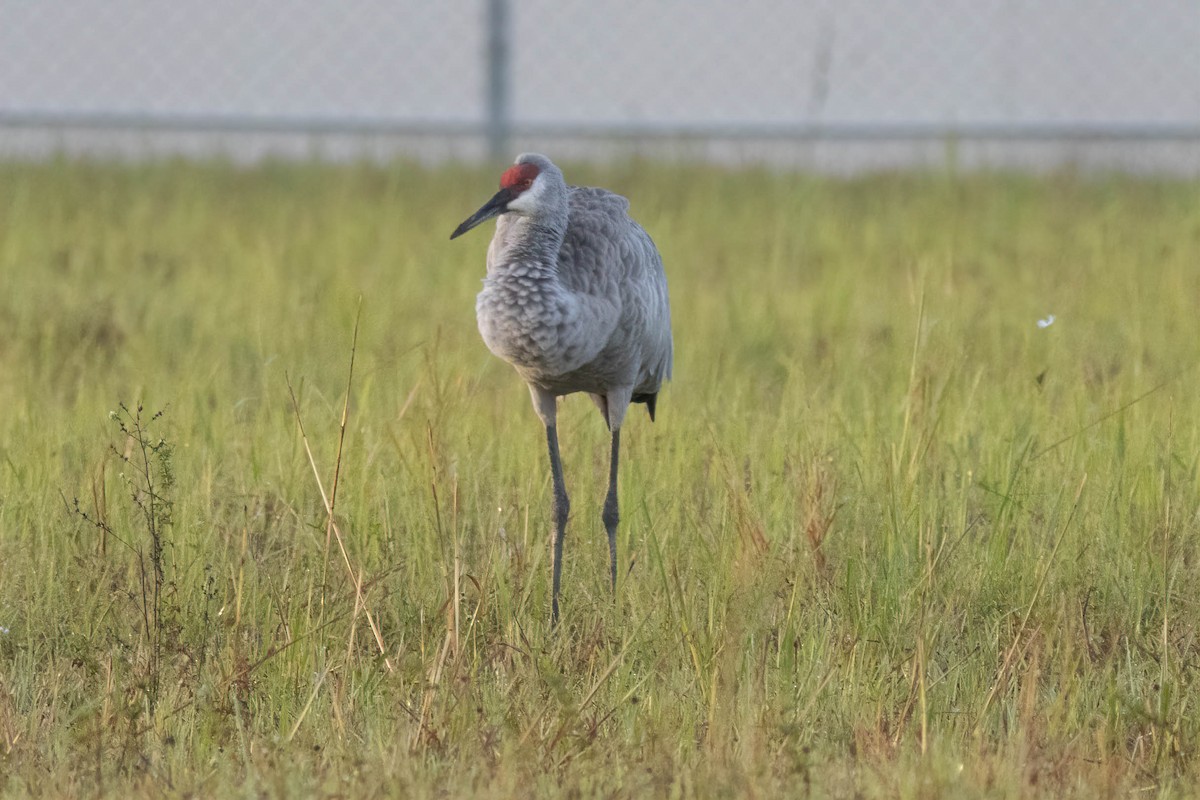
x=746, y=79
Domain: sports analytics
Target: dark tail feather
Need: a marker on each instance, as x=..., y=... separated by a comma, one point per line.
x=649, y=399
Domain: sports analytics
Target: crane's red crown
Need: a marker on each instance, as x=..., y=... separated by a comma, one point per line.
x=518, y=176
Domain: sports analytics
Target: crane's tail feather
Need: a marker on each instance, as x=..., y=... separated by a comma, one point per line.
x=650, y=400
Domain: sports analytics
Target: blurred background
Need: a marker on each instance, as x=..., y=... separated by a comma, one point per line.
x=840, y=87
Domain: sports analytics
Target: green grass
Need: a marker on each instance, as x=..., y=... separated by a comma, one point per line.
x=888, y=538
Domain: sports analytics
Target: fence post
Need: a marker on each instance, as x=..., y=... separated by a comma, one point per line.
x=497, y=80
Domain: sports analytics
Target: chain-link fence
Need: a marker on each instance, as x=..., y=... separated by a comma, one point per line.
x=839, y=84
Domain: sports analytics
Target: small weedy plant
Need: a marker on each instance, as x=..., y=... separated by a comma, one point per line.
x=149, y=479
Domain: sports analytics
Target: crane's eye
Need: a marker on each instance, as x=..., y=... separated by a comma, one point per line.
x=525, y=184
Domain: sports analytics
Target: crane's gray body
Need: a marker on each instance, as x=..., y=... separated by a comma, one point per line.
x=575, y=299
x=580, y=307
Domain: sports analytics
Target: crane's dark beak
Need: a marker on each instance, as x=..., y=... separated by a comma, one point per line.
x=492, y=208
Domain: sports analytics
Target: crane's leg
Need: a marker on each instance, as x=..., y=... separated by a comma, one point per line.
x=613, y=405
x=562, y=507
x=611, y=513
x=546, y=405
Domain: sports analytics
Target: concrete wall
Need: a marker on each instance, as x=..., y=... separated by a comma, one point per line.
x=729, y=81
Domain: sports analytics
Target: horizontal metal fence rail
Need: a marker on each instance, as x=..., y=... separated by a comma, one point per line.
x=199, y=123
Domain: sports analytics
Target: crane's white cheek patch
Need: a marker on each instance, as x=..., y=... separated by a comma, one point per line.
x=528, y=201
x=524, y=203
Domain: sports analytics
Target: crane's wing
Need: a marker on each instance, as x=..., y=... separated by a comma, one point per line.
x=607, y=257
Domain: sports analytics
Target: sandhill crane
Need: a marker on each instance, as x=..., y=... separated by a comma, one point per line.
x=575, y=299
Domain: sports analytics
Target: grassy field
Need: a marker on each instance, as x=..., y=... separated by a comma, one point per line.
x=888, y=538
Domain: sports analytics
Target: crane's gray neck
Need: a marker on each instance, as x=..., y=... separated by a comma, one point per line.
x=533, y=239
